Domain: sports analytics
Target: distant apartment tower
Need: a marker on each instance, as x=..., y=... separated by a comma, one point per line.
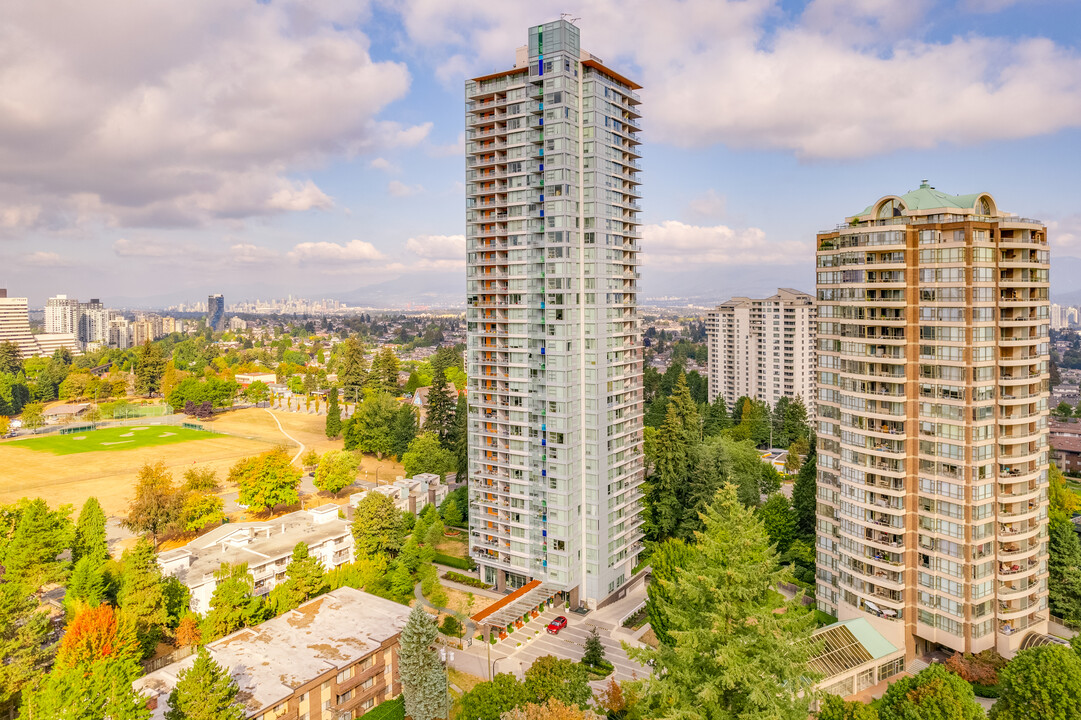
x=15, y=324
x=93, y=322
x=933, y=366
x=763, y=349
x=554, y=347
x=62, y=315
x=215, y=312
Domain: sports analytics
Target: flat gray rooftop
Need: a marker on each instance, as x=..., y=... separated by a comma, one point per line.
x=270, y=661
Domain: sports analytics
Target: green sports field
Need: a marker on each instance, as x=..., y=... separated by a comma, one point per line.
x=117, y=438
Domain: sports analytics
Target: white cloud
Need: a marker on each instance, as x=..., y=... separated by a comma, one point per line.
x=45, y=260
x=676, y=245
x=248, y=254
x=19, y=216
x=183, y=113
x=847, y=78
x=329, y=253
x=400, y=189
x=383, y=164
x=125, y=247
x=1065, y=235
x=710, y=204
x=434, y=252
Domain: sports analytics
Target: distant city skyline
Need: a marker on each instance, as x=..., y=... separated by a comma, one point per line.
x=162, y=189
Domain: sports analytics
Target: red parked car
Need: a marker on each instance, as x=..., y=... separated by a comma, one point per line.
x=556, y=625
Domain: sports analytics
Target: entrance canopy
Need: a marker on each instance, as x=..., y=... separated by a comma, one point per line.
x=515, y=605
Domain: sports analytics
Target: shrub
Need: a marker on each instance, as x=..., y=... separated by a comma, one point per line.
x=464, y=579
x=986, y=691
x=451, y=626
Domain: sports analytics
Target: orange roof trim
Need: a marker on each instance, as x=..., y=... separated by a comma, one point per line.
x=512, y=71
x=500, y=604
x=609, y=71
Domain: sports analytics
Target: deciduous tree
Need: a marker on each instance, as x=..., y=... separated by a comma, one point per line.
x=427, y=455
x=266, y=480
x=424, y=686
x=337, y=470
x=833, y=707
x=1042, y=683
x=933, y=694
x=305, y=580
x=377, y=526
x=157, y=504
x=489, y=700
x=564, y=680
x=551, y=710
x=205, y=691
x=91, y=678
x=33, y=415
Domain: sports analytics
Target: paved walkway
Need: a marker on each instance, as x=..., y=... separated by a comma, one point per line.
x=278, y=423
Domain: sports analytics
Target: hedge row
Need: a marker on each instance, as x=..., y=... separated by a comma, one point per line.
x=455, y=562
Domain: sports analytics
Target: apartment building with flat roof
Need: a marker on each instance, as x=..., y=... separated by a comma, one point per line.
x=763, y=348
x=335, y=656
x=554, y=342
x=933, y=374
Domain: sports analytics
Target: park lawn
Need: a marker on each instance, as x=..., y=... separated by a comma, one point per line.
x=454, y=546
x=111, y=439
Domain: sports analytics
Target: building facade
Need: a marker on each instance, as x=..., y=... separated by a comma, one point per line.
x=15, y=328
x=554, y=343
x=266, y=547
x=763, y=349
x=62, y=315
x=933, y=366
x=215, y=312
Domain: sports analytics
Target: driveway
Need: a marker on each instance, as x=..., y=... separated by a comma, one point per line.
x=569, y=644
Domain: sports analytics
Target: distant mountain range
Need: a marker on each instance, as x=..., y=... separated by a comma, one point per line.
x=1066, y=280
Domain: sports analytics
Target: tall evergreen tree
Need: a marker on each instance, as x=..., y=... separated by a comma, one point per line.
x=88, y=583
x=90, y=533
x=404, y=430
x=11, y=358
x=232, y=606
x=665, y=496
x=149, y=369
x=687, y=410
x=23, y=633
x=460, y=440
x=804, y=498
x=424, y=686
x=306, y=579
x=31, y=556
x=334, y=415
x=205, y=691
x=780, y=523
x=439, y=410
x=668, y=560
x=716, y=418
x=1064, y=568
x=141, y=596
x=795, y=425
x=732, y=656
x=781, y=438
x=352, y=373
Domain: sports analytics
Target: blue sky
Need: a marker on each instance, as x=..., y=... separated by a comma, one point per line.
x=266, y=148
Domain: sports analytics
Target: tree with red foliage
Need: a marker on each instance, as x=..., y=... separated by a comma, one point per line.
x=95, y=666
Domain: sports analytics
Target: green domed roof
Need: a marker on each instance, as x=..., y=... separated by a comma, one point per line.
x=926, y=197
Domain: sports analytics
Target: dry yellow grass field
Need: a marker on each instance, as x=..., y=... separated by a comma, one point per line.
x=109, y=476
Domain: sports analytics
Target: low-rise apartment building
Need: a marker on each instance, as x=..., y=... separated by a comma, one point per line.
x=265, y=546
x=335, y=656
x=409, y=494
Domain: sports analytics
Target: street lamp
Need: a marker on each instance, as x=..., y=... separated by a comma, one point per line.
x=447, y=658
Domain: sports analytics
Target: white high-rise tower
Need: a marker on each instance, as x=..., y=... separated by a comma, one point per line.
x=554, y=351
